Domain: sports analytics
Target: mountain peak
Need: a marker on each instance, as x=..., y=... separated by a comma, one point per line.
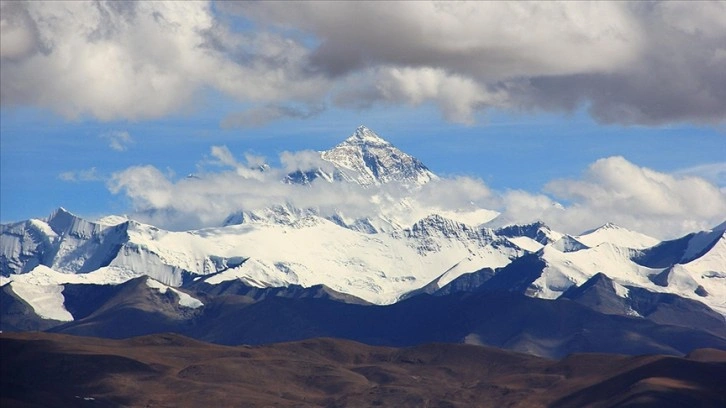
x=608, y=226
x=61, y=219
x=60, y=211
x=365, y=136
x=538, y=231
x=616, y=235
x=368, y=159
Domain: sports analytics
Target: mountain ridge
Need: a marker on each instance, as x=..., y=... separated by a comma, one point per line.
x=282, y=251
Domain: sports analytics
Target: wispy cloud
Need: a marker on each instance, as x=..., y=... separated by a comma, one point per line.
x=713, y=172
x=118, y=140
x=80, y=175
x=263, y=115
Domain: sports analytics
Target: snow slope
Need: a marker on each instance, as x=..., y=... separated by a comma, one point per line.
x=184, y=299
x=616, y=235
x=375, y=267
x=564, y=269
x=702, y=279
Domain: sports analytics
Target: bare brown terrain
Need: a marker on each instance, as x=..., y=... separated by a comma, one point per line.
x=168, y=370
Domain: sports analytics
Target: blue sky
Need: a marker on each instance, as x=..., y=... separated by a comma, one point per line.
x=532, y=112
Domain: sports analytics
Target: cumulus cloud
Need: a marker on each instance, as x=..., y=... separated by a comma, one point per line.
x=610, y=190
x=148, y=187
x=628, y=62
x=139, y=60
x=645, y=63
x=616, y=190
x=225, y=185
x=118, y=140
x=304, y=160
x=713, y=172
x=228, y=186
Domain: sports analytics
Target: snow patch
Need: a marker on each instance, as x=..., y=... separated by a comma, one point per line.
x=526, y=243
x=184, y=299
x=621, y=290
x=46, y=300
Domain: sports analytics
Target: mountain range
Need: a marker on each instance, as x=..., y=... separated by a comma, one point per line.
x=283, y=272
x=43, y=369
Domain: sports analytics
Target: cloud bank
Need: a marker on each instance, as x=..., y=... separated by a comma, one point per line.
x=611, y=190
x=615, y=190
x=645, y=63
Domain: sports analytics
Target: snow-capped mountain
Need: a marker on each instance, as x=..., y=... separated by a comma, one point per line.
x=378, y=259
x=616, y=235
x=531, y=236
x=312, y=250
x=367, y=159
x=609, y=297
x=40, y=256
x=691, y=267
x=68, y=244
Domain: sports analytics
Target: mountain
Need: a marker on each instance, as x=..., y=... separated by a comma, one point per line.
x=367, y=159
x=239, y=288
x=691, y=267
x=616, y=235
x=69, y=245
x=41, y=370
x=63, y=270
x=136, y=307
x=310, y=251
x=530, y=236
x=364, y=160
x=18, y=315
x=687, y=249
x=602, y=294
x=62, y=241
x=551, y=328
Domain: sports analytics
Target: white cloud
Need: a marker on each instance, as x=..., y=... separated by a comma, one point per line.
x=253, y=169
x=616, y=190
x=454, y=193
x=456, y=95
x=146, y=186
x=304, y=160
x=214, y=193
x=630, y=62
x=611, y=190
x=713, y=172
x=224, y=157
x=118, y=140
x=138, y=60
